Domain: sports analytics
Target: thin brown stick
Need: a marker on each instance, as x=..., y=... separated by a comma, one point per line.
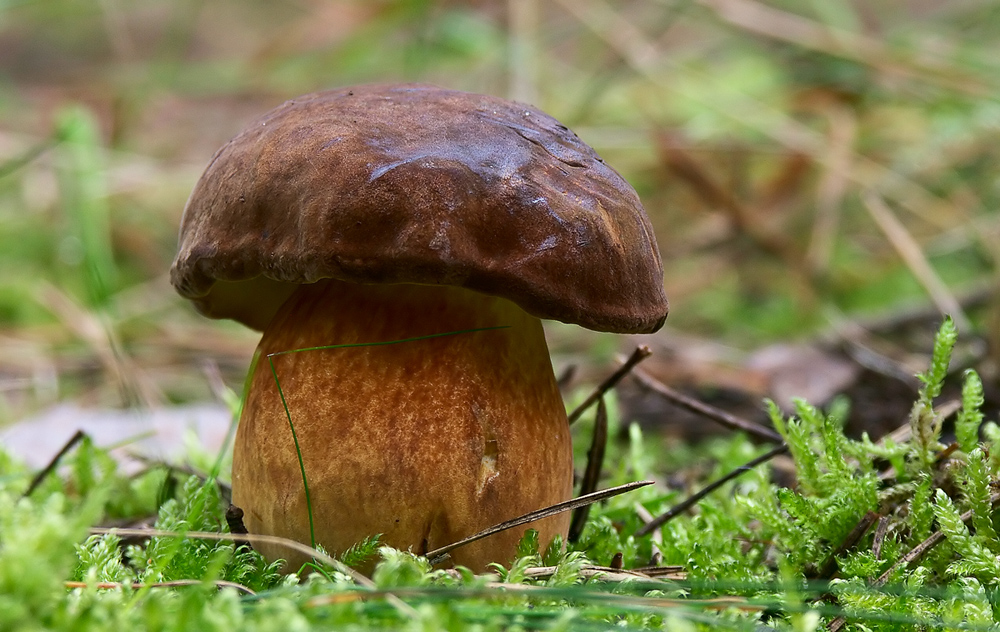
x=223, y=394
x=523, y=56
x=219, y=583
x=100, y=336
x=641, y=353
x=701, y=408
x=595, y=461
x=869, y=358
x=657, y=540
x=917, y=552
x=77, y=437
x=972, y=296
x=564, y=379
x=879, y=538
x=693, y=499
x=904, y=433
x=437, y=555
x=860, y=529
x=914, y=555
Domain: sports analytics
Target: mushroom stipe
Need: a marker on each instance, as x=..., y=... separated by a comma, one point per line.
x=288, y=414
x=424, y=442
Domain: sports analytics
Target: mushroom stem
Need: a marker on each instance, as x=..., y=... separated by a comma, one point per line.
x=425, y=441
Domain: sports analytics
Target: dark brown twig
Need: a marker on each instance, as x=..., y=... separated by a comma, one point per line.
x=225, y=490
x=690, y=501
x=641, y=353
x=915, y=554
x=880, y=532
x=830, y=565
x=701, y=408
x=595, y=461
x=77, y=437
x=657, y=570
x=437, y=555
x=563, y=379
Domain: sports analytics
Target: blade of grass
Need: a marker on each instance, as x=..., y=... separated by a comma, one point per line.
x=832, y=189
x=84, y=196
x=380, y=343
x=177, y=583
x=298, y=452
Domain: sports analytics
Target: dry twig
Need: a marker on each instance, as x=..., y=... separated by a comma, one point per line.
x=691, y=500
x=171, y=584
x=701, y=408
x=595, y=461
x=915, y=554
x=77, y=437
x=641, y=353
x=913, y=256
x=647, y=59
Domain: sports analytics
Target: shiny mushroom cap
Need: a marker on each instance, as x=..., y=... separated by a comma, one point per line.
x=418, y=184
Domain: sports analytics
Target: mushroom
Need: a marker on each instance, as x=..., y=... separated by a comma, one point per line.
x=448, y=224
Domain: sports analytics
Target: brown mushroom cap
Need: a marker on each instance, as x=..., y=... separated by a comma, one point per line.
x=417, y=184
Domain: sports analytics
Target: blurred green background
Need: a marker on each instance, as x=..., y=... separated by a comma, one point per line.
x=802, y=162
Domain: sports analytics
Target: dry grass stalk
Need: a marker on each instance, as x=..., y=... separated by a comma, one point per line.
x=647, y=59
x=784, y=26
x=913, y=256
x=135, y=387
x=832, y=189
